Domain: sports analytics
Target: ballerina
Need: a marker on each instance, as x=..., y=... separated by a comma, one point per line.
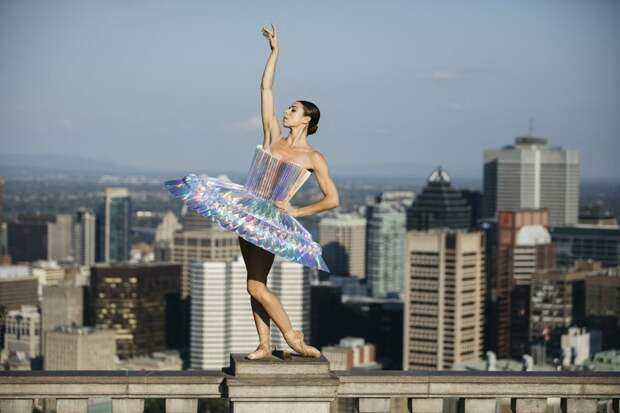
x=260, y=211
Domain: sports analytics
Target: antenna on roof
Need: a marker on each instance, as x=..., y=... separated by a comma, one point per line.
x=530, y=129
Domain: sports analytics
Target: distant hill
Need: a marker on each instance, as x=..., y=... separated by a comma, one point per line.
x=15, y=161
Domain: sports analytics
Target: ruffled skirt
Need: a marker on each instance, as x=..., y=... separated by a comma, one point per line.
x=255, y=219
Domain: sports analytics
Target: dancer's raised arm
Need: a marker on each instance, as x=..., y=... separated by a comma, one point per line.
x=271, y=128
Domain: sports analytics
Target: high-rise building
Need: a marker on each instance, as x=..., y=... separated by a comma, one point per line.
x=557, y=301
x=343, y=240
x=599, y=243
x=221, y=311
x=140, y=302
x=326, y=301
x=114, y=226
x=84, y=237
x=377, y=320
x=444, y=300
x=60, y=238
x=603, y=306
x=61, y=305
x=532, y=175
x=523, y=248
x=48, y=273
x=439, y=205
x=70, y=347
x=211, y=243
x=385, y=249
x=23, y=331
x=17, y=287
x=28, y=237
x=474, y=199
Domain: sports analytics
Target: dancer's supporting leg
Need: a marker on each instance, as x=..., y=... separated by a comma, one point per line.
x=258, y=263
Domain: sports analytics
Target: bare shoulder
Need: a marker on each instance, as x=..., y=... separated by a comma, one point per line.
x=318, y=161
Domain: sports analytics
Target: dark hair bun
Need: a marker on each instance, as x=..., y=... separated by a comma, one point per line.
x=312, y=129
x=310, y=109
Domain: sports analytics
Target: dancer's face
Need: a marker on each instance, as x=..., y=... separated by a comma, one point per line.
x=294, y=116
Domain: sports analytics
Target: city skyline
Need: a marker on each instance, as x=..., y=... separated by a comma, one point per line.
x=145, y=84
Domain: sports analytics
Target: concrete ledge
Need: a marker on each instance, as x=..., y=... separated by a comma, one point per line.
x=347, y=384
x=271, y=366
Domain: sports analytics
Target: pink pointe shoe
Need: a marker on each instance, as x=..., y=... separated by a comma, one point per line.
x=261, y=351
x=295, y=339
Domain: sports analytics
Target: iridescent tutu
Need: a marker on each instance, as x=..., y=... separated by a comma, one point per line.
x=253, y=217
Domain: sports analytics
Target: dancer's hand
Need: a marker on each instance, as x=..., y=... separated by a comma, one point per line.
x=272, y=36
x=286, y=207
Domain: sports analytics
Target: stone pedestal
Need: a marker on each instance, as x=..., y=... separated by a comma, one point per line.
x=299, y=384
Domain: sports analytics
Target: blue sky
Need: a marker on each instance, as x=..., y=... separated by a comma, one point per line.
x=175, y=85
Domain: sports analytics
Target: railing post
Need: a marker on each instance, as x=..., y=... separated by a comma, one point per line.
x=578, y=405
x=127, y=405
x=16, y=405
x=480, y=405
x=529, y=405
x=181, y=405
x=425, y=405
x=373, y=405
x=72, y=405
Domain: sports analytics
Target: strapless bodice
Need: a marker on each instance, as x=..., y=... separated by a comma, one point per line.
x=273, y=178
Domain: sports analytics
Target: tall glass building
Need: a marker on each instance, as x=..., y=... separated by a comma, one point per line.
x=439, y=205
x=385, y=249
x=114, y=226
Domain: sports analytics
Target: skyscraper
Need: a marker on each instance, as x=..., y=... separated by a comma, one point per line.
x=532, y=175
x=140, y=302
x=114, y=226
x=60, y=238
x=210, y=243
x=28, y=237
x=444, y=299
x=439, y=205
x=385, y=249
x=523, y=248
x=61, y=305
x=84, y=237
x=343, y=239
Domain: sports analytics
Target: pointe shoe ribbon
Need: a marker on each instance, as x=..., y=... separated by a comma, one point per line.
x=295, y=340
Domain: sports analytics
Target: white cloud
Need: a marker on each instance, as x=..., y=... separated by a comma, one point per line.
x=454, y=106
x=440, y=75
x=254, y=122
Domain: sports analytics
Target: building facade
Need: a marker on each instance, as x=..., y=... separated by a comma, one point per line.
x=79, y=348
x=343, y=240
x=385, y=249
x=444, y=301
x=530, y=174
x=439, y=206
x=114, y=226
x=140, y=302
